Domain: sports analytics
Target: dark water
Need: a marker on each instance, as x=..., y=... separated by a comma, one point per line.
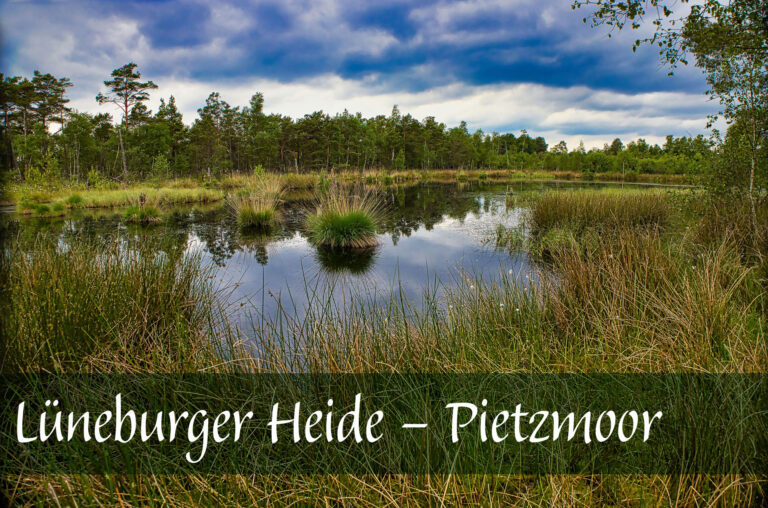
x=434, y=235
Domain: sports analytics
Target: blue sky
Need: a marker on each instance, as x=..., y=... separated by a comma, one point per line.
x=499, y=65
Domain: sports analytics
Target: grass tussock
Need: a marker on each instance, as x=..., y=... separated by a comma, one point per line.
x=74, y=200
x=257, y=207
x=345, y=219
x=137, y=214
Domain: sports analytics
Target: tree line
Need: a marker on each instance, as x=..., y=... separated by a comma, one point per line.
x=43, y=139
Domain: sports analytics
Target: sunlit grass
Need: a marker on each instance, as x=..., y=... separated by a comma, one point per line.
x=100, y=307
x=142, y=214
x=579, y=210
x=257, y=206
x=345, y=218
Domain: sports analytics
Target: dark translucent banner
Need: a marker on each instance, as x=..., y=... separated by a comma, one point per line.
x=385, y=423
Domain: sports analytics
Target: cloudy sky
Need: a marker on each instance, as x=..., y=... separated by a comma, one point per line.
x=502, y=65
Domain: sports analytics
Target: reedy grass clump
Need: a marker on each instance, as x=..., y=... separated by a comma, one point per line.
x=256, y=208
x=345, y=218
x=154, y=196
x=74, y=200
x=294, y=181
x=142, y=214
x=733, y=218
x=606, y=211
x=56, y=209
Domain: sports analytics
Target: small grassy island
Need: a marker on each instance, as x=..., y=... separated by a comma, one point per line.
x=345, y=220
x=256, y=207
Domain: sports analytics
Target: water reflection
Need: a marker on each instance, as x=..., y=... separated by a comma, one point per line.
x=432, y=232
x=355, y=262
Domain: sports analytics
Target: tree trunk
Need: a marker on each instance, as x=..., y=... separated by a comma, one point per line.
x=755, y=228
x=77, y=160
x=122, y=151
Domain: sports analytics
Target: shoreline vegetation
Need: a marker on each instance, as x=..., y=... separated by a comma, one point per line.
x=635, y=281
x=53, y=200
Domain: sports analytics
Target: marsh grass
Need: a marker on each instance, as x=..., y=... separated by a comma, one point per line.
x=637, y=300
x=299, y=180
x=74, y=200
x=400, y=490
x=733, y=218
x=345, y=218
x=161, y=194
x=137, y=214
x=257, y=207
x=56, y=209
x=105, y=307
x=606, y=210
x=154, y=196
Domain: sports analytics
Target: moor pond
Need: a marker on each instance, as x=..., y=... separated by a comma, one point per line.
x=434, y=235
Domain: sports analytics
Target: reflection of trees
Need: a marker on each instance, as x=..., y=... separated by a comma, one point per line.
x=256, y=243
x=407, y=209
x=426, y=205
